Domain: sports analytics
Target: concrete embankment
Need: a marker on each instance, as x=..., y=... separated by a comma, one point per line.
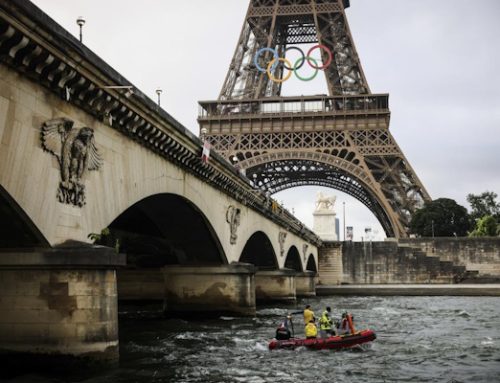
x=412, y=290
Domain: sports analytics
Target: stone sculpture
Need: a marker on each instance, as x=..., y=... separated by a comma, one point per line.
x=76, y=153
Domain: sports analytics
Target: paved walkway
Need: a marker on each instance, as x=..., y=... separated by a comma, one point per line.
x=417, y=290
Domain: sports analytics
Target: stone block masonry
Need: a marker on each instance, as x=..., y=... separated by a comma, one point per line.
x=477, y=255
x=58, y=305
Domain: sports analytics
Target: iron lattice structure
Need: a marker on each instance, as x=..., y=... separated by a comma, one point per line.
x=341, y=140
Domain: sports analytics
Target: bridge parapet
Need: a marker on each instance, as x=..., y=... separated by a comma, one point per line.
x=36, y=46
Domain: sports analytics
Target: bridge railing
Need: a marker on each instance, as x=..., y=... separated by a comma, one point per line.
x=322, y=104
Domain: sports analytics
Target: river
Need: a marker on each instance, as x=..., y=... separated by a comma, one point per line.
x=419, y=339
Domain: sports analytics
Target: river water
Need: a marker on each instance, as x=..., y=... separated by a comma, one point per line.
x=419, y=339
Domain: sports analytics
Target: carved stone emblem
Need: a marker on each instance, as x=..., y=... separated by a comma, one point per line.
x=281, y=240
x=305, y=246
x=233, y=218
x=76, y=153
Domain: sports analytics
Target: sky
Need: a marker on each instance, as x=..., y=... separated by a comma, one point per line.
x=438, y=60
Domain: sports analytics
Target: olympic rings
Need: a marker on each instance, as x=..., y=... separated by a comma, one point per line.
x=302, y=60
x=271, y=76
x=312, y=62
x=328, y=52
x=301, y=52
x=257, y=55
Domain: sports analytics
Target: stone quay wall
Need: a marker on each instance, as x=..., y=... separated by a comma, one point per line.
x=412, y=260
x=476, y=254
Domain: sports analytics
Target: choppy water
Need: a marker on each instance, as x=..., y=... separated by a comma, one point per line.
x=420, y=339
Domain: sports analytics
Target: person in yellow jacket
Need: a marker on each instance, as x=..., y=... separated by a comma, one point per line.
x=308, y=315
x=326, y=323
x=311, y=330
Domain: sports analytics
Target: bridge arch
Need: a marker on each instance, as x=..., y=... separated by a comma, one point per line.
x=17, y=230
x=311, y=264
x=164, y=229
x=279, y=171
x=292, y=260
x=259, y=251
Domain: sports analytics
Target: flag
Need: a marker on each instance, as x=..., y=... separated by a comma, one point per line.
x=350, y=233
x=205, y=154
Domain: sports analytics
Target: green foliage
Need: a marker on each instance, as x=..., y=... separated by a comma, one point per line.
x=444, y=215
x=486, y=227
x=483, y=205
x=96, y=238
x=105, y=238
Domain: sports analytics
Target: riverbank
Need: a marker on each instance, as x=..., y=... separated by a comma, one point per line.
x=491, y=290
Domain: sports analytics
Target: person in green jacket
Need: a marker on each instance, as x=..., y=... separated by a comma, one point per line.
x=326, y=324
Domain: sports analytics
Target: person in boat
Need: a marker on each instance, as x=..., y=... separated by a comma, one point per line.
x=283, y=331
x=308, y=315
x=326, y=324
x=346, y=325
x=311, y=330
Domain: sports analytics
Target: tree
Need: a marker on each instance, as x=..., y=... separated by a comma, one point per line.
x=486, y=227
x=442, y=217
x=484, y=204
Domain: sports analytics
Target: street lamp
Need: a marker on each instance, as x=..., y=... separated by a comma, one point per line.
x=158, y=92
x=343, y=206
x=81, y=22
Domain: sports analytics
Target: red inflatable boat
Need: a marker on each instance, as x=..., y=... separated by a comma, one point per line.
x=333, y=342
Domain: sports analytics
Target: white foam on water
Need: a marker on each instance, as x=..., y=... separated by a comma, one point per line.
x=464, y=314
x=261, y=347
x=192, y=335
x=487, y=341
x=273, y=311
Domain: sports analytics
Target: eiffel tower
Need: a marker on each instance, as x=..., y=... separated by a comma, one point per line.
x=340, y=140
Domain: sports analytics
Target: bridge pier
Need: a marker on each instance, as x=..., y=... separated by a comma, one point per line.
x=305, y=283
x=220, y=289
x=141, y=285
x=275, y=286
x=58, y=307
x=330, y=267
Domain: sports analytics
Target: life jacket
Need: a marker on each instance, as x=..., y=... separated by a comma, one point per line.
x=308, y=316
x=325, y=323
x=311, y=330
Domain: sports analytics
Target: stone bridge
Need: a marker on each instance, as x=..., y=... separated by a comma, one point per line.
x=85, y=156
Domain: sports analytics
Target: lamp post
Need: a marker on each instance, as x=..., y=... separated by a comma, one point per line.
x=343, y=207
x=158, y=92
x=81, y=22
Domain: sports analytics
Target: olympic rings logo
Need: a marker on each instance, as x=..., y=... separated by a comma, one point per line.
x=273, y=64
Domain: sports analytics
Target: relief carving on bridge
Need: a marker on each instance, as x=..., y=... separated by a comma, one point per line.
x=305, y=246
x=76, y=153
x=233, y=218
x=281, y=240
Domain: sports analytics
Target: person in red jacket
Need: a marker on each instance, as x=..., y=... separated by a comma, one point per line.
x=346, y=325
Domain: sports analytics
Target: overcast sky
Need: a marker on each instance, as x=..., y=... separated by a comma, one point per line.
x=438, y=59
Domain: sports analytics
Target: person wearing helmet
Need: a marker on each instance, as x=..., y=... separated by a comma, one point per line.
x=283, y=331
x=326, y=323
